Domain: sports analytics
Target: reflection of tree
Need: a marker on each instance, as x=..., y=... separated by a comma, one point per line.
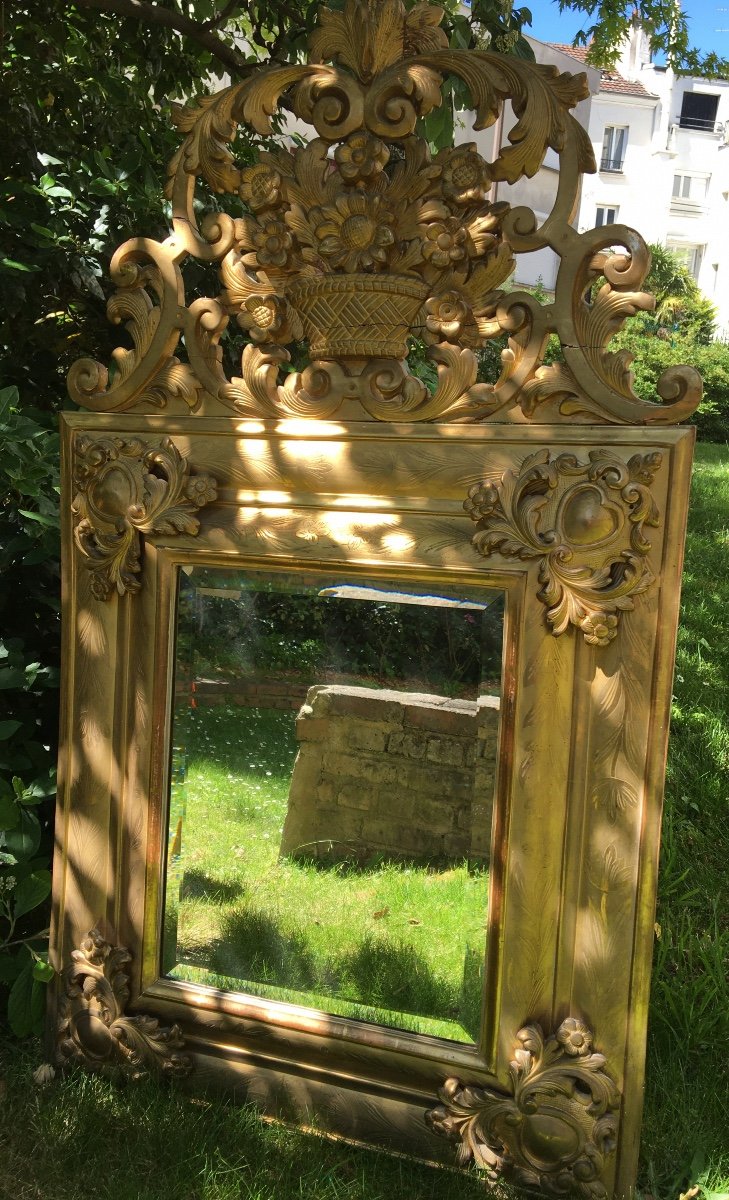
x=381, y=973
x=266, y=625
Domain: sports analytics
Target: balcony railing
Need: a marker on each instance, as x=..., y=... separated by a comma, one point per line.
x=611, y=164
x=704, y=124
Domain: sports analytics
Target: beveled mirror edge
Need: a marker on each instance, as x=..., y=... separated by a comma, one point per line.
x=654, y=616
x=480, y=1056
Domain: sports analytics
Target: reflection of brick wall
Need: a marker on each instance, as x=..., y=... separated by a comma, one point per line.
x=256, y=693
x=393, y=774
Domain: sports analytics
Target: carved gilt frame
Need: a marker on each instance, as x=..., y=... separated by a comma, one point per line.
x=556, y=484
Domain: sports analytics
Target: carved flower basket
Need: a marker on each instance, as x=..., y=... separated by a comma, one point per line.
x=358, y=315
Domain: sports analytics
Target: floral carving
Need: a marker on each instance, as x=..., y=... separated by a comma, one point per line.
x=340, y=229
x=361, y=157
x=445, y=242
x=446, y=315
x=269, y=319
x=260, y=186
x=273, y=244
x=355, y=232
x=586, y=525
x=556, y=1127
x=466, y=177
x=124, y=489
x=94, y=1029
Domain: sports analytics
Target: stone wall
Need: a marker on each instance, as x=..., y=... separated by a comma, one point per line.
x=248, y=693
x=396, y=774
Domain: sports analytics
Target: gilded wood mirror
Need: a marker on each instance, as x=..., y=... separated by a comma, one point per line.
x=367, y=678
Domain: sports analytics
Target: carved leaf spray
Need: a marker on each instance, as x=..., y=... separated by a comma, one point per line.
x=584, y=522
x=360, y=240
x=556, y=1127
x=94, y=1028
x=126, y=488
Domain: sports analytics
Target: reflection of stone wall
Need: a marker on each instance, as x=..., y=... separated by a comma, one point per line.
x=249, y=693
x=393, y=774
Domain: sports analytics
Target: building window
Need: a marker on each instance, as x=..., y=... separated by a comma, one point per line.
x=698, y=111
x=614, y=141
x=690, y=187
x=690, y=256
x=606, y=216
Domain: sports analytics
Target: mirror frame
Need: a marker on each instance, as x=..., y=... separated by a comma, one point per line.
x=553, y=1090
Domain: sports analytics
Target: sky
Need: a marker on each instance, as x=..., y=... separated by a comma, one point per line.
x=708, y=23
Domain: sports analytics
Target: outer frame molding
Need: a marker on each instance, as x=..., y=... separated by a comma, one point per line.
x=356, y=242
x=584, y=727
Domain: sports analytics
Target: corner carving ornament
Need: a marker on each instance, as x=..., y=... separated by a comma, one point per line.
x=125, y=488
x=94, y=1028
x=361, y=240
x=556, y=1127
x=585, y=524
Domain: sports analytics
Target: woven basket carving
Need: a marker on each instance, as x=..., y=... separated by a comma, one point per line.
x=358, y=316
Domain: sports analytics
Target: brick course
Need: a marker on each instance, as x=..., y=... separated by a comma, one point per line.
x=394, y=774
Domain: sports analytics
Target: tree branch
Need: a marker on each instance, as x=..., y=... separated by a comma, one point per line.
x=221, y=17
x=151, y=14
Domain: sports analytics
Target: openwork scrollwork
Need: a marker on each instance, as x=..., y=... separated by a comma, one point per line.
x=556, y=1127
x=94, y=1028
x=362, y=240
x=586, y=525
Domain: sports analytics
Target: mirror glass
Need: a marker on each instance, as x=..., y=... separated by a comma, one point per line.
x=333, y=750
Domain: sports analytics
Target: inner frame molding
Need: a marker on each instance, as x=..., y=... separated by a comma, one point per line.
x=578, y=791
x=556, y=485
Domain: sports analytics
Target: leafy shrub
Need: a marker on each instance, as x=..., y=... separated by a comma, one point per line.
x=655, y=354
x=28, y=683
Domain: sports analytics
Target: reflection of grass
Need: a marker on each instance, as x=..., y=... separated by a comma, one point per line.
x=399, y=939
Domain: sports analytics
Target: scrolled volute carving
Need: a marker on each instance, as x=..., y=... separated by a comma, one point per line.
x=94, y=1029
x=586, y=525
x=125, y=488
x=362, y=240
x=556, y=1127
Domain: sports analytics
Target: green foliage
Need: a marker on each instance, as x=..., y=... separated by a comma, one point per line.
x=681, y=306
x=667, y=25
x=679, y=331
x=654, y=355
x=269, y=629
x=28, y=699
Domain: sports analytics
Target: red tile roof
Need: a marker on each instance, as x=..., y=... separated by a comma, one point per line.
x=610, y=81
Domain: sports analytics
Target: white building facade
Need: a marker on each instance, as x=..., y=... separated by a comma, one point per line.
x=661, y=146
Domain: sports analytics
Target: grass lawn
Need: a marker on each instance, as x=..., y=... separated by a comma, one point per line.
x=399, y=944
x=142, y=1143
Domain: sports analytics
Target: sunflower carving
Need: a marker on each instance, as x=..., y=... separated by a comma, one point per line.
x=355, y=233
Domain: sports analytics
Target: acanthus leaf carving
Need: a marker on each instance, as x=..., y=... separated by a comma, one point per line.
x=554, y=1129
x=348, y=241
x=126, y=488
x=94, y=1028
x=585, y=525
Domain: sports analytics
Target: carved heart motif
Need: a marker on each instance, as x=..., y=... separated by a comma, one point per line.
x=113, y=492
x=587, y=518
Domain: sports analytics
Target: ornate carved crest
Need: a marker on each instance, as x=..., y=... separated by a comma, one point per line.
x=362, y=240
x=556, y=1127
x=93, y=1028
x=584, y=522
x=126, y=488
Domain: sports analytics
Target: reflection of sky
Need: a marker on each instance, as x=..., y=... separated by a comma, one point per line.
x=350, y=591
x=708, y=24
